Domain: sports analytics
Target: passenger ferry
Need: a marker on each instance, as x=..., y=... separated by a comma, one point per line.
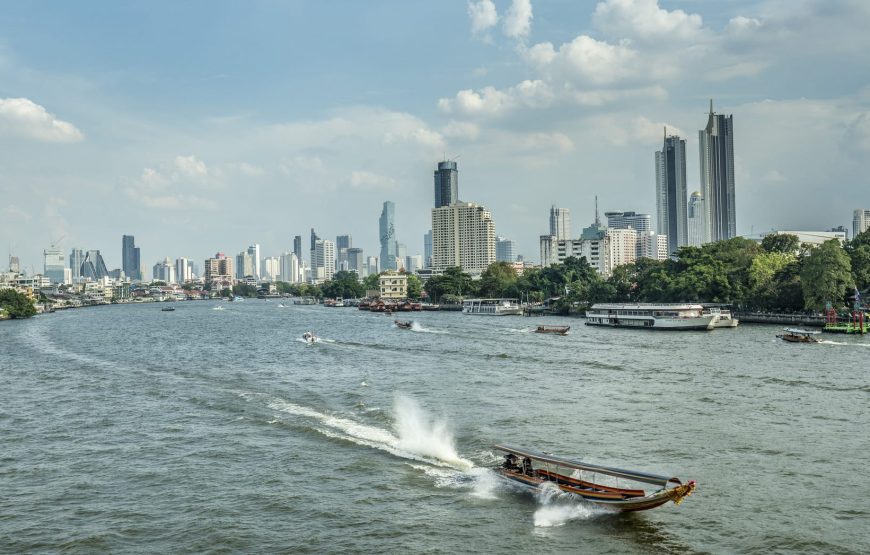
x=724, y=318
x=492, y=307
x=669, y=316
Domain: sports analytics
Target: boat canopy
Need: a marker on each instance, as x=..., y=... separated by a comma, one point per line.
x=580, y=465
x=801, y=332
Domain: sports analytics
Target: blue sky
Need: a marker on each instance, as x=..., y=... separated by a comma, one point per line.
x=201, y=127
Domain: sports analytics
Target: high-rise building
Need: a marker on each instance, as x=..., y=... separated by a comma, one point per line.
x=560, y=223
x=446, y=184
x=14, y=264
x=245, y=266
x=623, y=246
x=593, y=245
x=505, y=249
x=54, y=265
x=271, y=268
x=254, y=253
x=297, y=247
x=356, y=262
x=427, y=249
x=413, y=263
x=130, y=258
x=218, y=268
x=183, y=270
x=463, y=234
x=93, y=268
x=671, y=191
x=652, y=245
x=342, y=243
x=387, y=234
x=323, y=262
x=696, y=220
x=164, y=271
x=314, y=239
x=860, y=221
x=372, y=266
x=76, y=257
x=716, y=146
x=625, y=220
x=290, y=268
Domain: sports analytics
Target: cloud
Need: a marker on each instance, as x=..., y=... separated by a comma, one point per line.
x=190, y=166
x=369, y=181
x=169, y=187
x=16, y=214
x=490, y=101
x=623, y=131
x=461, y=129
x=518, y=20
x=645, y=20
x=550, y=142
x=483, y=17
x=24, y=118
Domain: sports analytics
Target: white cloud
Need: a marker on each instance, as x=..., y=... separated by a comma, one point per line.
x=24, y=118
x=16, y=214
x=591, y=61
x=645, y=20
x=638, y=130
x=741, y=24
x=489, y=101
x=550, y=142
x=483, y=17
x=168, y=188
x=461, y=129
x=190, y=166
x=369, y=181
x=518, y=20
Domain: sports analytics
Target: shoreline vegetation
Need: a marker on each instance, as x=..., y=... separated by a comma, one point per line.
x=776, y=281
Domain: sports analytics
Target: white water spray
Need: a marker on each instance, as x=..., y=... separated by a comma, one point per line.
x=421, y=434
x=558, y=508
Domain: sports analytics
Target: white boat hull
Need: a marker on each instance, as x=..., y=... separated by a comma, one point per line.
x=653, y=323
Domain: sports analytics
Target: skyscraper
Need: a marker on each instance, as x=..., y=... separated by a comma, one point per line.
x=427, y=249
x=560, y=223
x=76, y=257
x=314, y=239
x=297, y=248
x=342, y=244
x=130, y=261
x=53, y=265
x=625, y=220
x=218, y=268
x=355, y=261
x=463, y=234
x=245, y=265
x=716, y=146
x=505, y=249
x=164, y=271
x=183, y=270
x=860, y=222
x=254, y=252
x=387, y=234
x=671, y=191
x=446, y=184
x=93, y=268
x=697, y=220
x=323, y=262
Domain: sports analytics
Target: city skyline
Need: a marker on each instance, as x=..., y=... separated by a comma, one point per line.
x=165, y=143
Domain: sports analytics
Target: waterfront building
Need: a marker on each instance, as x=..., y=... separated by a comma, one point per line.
x=593, y=244
x=623, y=246
x=323, y=261
x=244, y=264
x=393, y=285
x=131, y=261
x=505, y=249
x=54, y=265
x=696, y=221
x=716, y=148
x=76, y=257
x=629, y=220
x=297, y=247
x=652, y=245
x=355, y=261
x=560, y=223
x=290, y=268
x=427, y=249
x=860, y=221
x=164, y=271
x=183, y=270
x=219, y=268
x=93, y=267
x=446, y=184
x=463, y=234
x=671, y=191
x=387, y=234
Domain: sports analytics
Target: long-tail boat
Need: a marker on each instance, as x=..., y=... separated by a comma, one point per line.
x=535, y=469
x=799, y=336
x=403, y=325
x=560, y=330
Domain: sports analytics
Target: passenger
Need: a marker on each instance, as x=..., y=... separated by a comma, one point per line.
x=527, y=466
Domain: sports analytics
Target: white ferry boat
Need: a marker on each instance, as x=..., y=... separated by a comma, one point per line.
x=724, y=319
x=669, y=316
x=492, y=307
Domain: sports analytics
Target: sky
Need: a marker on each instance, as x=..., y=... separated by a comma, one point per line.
x=206, y=126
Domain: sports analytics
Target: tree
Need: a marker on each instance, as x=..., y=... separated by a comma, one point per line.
x=371, y=282
x=860, y=259
x=343, y=285
x=16, y=305
x=244, y=290
x=784, y=243
x=826, y=276
x=415, y=287
x=763, y=287
x=497, y=280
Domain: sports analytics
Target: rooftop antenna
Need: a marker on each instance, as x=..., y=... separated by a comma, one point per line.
x=597, y=221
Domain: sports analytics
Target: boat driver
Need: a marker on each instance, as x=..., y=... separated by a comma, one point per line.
x=527, y=466
x=510, y=462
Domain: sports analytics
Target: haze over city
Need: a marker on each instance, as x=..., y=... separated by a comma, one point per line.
x=202, y=128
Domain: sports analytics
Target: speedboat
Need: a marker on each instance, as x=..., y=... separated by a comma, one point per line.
x=799, y=336
x=309, y=337
x=403, y=325
x=168, y=309
x=560, y=330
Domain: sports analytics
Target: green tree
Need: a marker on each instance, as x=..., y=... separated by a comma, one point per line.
x=343, y=285
x=784, y=243
x=498, y=280
x=415, y=287
x=826, y=276
x=860, y=259
x=16, y=304
x=244, y=290
x=371, y=282
x=763, y=287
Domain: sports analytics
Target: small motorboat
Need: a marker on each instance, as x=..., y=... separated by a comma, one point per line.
x=799, y=336
x=559, y=330
x=218, y=308
x=309, y=337
x=168, y=309
x=403, y=325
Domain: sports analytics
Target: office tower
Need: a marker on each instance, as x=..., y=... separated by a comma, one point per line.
x=54, y=265
x=696, y=220
x=413, y=263
x=387, y=234
x=671, y=191
x=355, y=261
x=505, y=250
x=76, y=257
x=220, y=267
x=560, y=223
x=297, y=247
x=271, y=268
x=342, y=243
x=716, y=146
x=626, y=220
x=245, y=266
x=131, y=263
x=427, y=249
x=164, y=271
x=446, y=184
x=93, y=268
x=314, y=239
x=14, y=264
x=183, y=270
x=254, y=253
x=323, y=262
x=463, y=234
x=290, y=268
x=372, y=265
x=401, y=254
x=860, y=222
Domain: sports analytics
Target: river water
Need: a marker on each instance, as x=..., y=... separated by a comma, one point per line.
x=128, y=429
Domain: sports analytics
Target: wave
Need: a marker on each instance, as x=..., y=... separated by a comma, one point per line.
x=557, y=507
x=416, y=326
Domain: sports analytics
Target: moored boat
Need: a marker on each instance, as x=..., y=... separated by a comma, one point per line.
x=670, y=316
x=535, y=469
x=560, y=330
x=492, y=307
x=724, y=318
x=793, y=335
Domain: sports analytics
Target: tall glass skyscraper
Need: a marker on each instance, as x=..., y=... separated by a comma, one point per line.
x=671, y=191
x=560, y=223
x=297, y=248
x=446, y=184
x=53, y=265
x=130, y=262
x=697, y=220
x=505, y=249
x=387, y=234
x=716, y=145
